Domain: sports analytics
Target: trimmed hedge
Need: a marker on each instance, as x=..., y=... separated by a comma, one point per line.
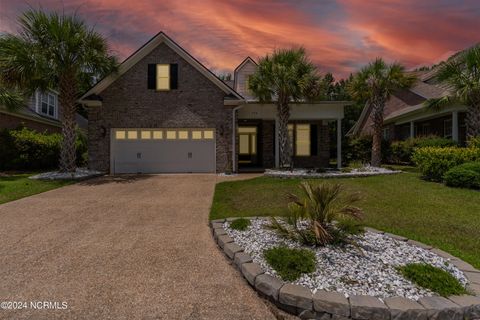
x=26, y=149
x=402, y=151
x=466, y=175
x=434, y=162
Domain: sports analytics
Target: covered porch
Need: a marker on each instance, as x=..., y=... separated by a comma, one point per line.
x=256, y=144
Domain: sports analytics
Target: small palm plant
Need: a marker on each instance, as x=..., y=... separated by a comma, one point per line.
x=313, y=216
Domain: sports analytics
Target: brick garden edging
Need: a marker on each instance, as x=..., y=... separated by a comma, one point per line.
x=323, y=304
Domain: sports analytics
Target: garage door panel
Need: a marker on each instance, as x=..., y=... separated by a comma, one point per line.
x=163, y=155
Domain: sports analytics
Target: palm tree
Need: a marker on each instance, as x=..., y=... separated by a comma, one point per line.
x=373, y=85
x=286, y=75
x=59, y=52
x=10, y=98
x=462, y=74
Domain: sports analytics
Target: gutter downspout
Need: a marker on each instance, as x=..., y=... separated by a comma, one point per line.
x=234, y=136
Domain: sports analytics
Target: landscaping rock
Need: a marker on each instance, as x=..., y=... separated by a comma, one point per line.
x=310, y=315
x=462, y=265
x=440, y=308
x=331, y=302
x=405, y=309
x=465, y=300
x=241, y=258
x=419, y=244
x=217, y=221
x=223, y=240
x=217, y=225
x=474, y=288
x=218, y=232
x=473, y=277
x=368, y=308
x=268, y=285
x=250, y=271
x=396, y=237
x=296, y=296
x=231, y=248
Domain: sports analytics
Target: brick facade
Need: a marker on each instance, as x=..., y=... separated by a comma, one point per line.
x=322, y=159
x=127, y=103
x=11, y=122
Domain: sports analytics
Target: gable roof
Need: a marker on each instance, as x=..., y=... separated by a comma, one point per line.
x=143, y=51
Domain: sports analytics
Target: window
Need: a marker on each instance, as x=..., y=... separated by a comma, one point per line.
x=120, y=135
x=183, y=135
x=132, y=134
x=447, y=128
x=48, y=104
x=157, y=135
x=196, y=135
x=146, y=135
x=385, y=134
x=163, y=77
x=208, y=134
x=302, y=142
x=171, y=135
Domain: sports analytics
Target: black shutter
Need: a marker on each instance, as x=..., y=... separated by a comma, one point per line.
x=152, y=76
x=313, y=139
x=174, y=76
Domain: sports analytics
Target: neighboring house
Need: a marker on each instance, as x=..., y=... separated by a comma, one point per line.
x=41, y=113
x=406, y=116
x=166, y=112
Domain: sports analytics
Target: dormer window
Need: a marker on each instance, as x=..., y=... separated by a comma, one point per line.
x=48, y=104
x=163, y=77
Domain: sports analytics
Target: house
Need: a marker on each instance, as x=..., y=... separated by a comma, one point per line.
x=406, y=116
x=164, y=111
x=41, y=113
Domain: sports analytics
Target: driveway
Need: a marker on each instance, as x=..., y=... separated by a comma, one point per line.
x=134, y=247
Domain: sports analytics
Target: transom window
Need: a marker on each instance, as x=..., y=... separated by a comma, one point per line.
x=163, y=77
x=48, y=104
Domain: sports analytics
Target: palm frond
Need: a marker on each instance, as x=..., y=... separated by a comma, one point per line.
x=11, y=99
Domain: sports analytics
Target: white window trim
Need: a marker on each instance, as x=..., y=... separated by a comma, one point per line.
x=38, y=104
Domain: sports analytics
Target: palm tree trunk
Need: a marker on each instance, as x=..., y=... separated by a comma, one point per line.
x=283, y=111
x=473, y=121
x=68, y=111
x=377, y=135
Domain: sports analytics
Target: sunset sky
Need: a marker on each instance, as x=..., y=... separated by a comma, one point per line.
x=339, y=35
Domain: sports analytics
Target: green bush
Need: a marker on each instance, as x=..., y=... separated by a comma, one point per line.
x=290, y=264
x=26, y=149
x=434, y=162
x=240, y=224
x=474, y=142
x=466, y=175
x=432, y=278
x=360, y=149
x=401, y=151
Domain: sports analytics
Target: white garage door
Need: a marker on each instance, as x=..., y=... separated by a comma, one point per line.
x=162, y=150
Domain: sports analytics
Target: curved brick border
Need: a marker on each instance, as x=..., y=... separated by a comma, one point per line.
x=323, y=304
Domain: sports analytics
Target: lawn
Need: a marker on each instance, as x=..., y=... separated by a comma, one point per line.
x=16, y=186
x=403, y=204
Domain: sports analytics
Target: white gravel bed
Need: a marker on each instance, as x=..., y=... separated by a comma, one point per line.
x=80, y=173
x=306, y=173
x=346, y=270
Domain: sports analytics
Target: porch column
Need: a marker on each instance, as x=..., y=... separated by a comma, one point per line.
x=339, y=143
x=455, y=126
x=277, y=145
x=412, y=129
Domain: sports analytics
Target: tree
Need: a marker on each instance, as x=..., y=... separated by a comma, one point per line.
x=373, y=85
x=284, y=76
x=462, y=74
x=11, y=98
x=58, y=52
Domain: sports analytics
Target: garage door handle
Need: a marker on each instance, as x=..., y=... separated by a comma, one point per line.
x=190, y=155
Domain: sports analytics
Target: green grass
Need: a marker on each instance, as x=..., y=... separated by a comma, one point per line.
x=444, y=217
x=16, y=186
x=290, y=264
x=432, y=278
x=240, y=224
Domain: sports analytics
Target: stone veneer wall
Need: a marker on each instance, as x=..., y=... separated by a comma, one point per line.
x=127, y=103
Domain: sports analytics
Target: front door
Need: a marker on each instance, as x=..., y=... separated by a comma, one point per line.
x=247, y=153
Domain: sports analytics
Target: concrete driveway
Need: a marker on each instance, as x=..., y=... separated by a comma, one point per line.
x=120, y=248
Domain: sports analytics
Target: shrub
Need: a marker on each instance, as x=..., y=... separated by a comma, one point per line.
x=360, y=149
x=318, y=206
x=434, y=162
x=466, y=175
x=401, y=151
x=474, y=142
x=432, y=278
x=240, y=224
x=290, y=264
x=26, y=149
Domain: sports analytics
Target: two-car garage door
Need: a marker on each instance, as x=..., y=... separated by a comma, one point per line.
x=147, y=150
